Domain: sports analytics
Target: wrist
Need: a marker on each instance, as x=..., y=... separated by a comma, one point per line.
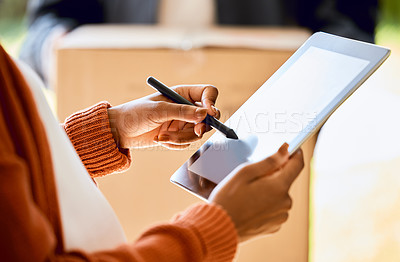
x=112, y=118
x=90, y=134
x=215, y=228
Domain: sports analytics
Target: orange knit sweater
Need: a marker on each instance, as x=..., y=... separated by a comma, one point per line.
x=30, y=223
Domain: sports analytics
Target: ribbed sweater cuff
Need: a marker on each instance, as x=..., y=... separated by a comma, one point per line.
x=215, y=228
x=90, y=133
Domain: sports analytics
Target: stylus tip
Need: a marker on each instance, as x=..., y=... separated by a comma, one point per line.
x=231, y=134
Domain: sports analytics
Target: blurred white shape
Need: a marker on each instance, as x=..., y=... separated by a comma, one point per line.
x=366, y=128
x=356, y=189
x=222, y=157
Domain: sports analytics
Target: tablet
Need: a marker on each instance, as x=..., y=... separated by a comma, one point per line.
x=289, y=107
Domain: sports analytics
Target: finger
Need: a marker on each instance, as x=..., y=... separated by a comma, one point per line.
x=270, y=164
x=278, y=219
x=208, y=99
x=200, y=129
x=165, y=111
x=173, y=146
x=179, y=137
x=276, y=223
x=267, y=224
x=218, y=112
x=176, y=125
x=292, y=168
x=164, y=127
x=206, y=94
x=182, y=125
x=187, y=126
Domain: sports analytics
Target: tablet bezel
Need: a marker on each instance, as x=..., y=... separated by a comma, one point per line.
x=376, y=55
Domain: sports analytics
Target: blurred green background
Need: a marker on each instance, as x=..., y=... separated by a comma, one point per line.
x=388, y=29
x=13, y=24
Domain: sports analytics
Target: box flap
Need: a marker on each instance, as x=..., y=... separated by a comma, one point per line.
x=113, y=36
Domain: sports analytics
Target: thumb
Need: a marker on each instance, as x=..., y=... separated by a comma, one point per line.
x=292, y=168
x=166, y=111
x=271, y=164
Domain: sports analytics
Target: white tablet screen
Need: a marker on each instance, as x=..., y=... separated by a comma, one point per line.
x=278, y=112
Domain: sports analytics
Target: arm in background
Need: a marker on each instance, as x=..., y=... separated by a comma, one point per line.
x=355, y=19
x=349, y=18
x=45, y=16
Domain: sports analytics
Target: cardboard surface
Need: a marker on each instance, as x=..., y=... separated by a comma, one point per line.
x=112, y=63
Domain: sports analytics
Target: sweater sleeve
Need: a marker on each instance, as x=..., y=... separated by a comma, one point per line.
x=203, y=232
x=90, y=133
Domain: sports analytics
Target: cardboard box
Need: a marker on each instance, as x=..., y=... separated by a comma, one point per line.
x=113, y=62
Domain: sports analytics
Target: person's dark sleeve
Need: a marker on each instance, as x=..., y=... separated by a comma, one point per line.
x=45, y=15
x=350, y=18
x=354, y=19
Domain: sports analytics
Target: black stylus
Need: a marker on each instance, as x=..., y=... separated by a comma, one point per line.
x=177, y=98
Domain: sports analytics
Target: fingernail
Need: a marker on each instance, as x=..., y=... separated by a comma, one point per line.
x=198, y=133
x=163, y=138
x=201, y=113
x=202, y=131
x=214, y=109
x=284, y=148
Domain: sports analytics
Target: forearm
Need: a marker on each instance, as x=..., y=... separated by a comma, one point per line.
x=38, y=39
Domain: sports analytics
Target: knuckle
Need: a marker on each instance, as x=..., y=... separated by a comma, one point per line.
x=276, y=229
x=244, y=170
x=301, y=158
x=182, y=110
x=284, y=217
x=154, y=110
x=282, y=188
x=302, y=164
x=212, y=89
x=273, y=161
x=179, y=88
x=159, y=106
x=288, y=203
